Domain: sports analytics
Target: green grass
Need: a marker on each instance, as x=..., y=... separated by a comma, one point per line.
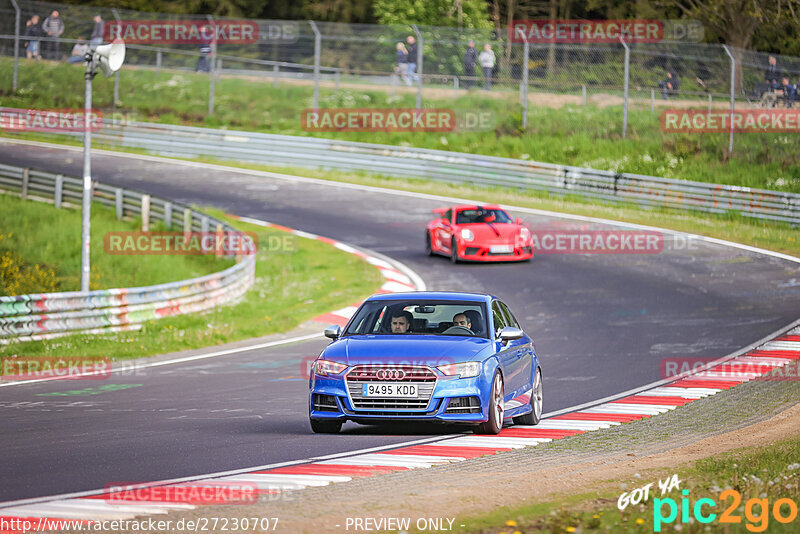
x=43, y=235
x=295, y=281
x=769, y=472
x=572, y=135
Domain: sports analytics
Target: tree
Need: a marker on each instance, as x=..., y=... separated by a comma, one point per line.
x=462, y=13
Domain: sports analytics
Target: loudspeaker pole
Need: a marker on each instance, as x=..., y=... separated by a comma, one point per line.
x=87, y=178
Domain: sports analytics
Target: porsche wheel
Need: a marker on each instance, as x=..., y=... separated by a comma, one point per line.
x=454, y=250
x=496, y=408
x=535, y=415
x=428, y=244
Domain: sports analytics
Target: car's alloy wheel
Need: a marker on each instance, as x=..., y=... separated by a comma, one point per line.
x=453, y=250
x=325, y=427
x=496, y=408
x=535, y=414
x=428, y=244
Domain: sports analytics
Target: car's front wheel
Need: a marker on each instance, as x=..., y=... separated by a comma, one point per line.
x=496, y=408
x=535, y=415
x=428, y=244
x=325, y=427
x=454, y=250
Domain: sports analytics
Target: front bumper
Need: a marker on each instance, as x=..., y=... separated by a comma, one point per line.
x=453, y=400
x=483, y=252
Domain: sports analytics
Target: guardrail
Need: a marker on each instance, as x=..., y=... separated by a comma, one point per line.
x=48, y=315
x=453, y=167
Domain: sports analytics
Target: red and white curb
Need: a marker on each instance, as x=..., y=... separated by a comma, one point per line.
x=770, y=357
x=398, y=278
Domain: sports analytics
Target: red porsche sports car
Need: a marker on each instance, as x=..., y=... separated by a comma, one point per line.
x=478, y=233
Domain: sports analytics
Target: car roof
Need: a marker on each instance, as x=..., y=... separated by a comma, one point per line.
x=435, y=295
x=460, y=207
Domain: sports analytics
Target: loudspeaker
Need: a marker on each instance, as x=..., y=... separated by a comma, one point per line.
x=110, y=57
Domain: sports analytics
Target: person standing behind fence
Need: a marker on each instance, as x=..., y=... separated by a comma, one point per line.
x=412, y=59
x=33, y=30
x=773, y=71
x=487, y=61
x=53, y=27
x=97, y=31
x=206, y=40
x=401, y=63
x=470, y=59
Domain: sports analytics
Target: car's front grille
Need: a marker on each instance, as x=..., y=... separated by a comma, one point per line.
x=421, y=376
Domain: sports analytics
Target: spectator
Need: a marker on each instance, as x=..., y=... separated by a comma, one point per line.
x=206, y=39
x=53, y=27
x=773, y=71
x=670, y=85
x=470, y=59
x=412, y=59
x=97, y=31
x=33, y=30
x=401, y=62
x=79, y=51
x=487, y=61
x=789, y=91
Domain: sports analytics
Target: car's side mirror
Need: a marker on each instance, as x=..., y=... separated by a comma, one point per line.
x=509, y=333
x=333, y=331
x=519, y=220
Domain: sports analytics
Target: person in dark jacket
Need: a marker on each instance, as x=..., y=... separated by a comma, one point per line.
x=411, y=49
x=53, y=27
x=669, y=86
x=773, y=71
x=789, y=91
x=33, y=31
x=97, y=31
x=470, y=60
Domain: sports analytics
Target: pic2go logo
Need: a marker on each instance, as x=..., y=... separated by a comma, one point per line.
x=756, y=511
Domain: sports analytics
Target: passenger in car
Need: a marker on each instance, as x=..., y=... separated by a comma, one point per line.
x=401, y=322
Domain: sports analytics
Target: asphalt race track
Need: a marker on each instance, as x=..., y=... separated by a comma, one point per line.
x=602, y=324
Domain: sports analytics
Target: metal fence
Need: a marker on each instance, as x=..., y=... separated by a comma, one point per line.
x=453, y=167
x=43, y=316
x=620, y=75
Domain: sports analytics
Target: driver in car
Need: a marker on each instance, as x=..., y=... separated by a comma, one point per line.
x=401, y=322
x=461, y=319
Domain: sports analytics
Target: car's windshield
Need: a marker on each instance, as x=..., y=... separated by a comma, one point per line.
x=420, y=317
x=482, y=215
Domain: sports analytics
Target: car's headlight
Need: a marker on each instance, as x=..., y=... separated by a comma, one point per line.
x=325, y=367
x=466, y=369
x=467, y=235
x=524, y=234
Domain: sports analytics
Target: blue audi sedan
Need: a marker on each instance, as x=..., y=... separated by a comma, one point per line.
x=427, y=356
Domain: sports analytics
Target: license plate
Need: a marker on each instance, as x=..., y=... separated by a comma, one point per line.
x=390, y=389
x=501, y=249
